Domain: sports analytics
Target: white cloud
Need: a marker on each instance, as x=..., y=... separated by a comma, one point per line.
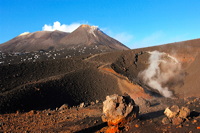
x=57, y=26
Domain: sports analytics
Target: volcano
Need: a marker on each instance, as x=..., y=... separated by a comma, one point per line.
x=85, y=35
x=91, y=35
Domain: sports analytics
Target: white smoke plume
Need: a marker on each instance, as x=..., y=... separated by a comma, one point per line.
x=57, y=26
x=162, y=68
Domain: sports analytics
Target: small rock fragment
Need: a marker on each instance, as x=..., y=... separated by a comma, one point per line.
x=48, y=114
x=184, y=112
x=180, y=126
x=17, y=112
x=177, y=120
x=136, y=125
x=32, y=112
x=82, y=105
x=142, y=102
x=92, y=103
x=194, y=121
x=95, y=121
x=165, y=121
x=63, y=107
x=187, y=125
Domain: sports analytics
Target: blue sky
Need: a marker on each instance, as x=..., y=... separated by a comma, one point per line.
x=136, y=23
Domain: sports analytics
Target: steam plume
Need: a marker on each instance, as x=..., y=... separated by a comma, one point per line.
x=162, y=68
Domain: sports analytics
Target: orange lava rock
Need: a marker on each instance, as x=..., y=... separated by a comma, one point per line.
x=136, y=125
x=112, y=129
x=194, y=121
x=117, y=122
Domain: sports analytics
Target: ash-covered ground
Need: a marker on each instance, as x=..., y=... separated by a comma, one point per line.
x=33, y=86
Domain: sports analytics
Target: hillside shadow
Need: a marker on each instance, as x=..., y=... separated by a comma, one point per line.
x=84, y=85
x=151, y=115
x=93, y=128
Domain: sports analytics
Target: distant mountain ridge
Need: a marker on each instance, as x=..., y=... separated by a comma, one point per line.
x=85, y=35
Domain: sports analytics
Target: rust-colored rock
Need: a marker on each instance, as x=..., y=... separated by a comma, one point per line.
x=176, y=115
x=118, y=110
x=184, y=112
x=172, y=111
x=166, y=120
x=177, y=120
x=112, y=129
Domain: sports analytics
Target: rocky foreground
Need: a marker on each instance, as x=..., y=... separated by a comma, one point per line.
x=87, y=118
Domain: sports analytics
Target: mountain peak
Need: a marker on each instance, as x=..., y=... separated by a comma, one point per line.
x=89, y=27
x=86, y=26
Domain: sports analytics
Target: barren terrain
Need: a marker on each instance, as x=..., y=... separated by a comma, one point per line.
x=31, y=92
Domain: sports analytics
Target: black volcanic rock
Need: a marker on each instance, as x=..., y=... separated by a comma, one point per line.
x=85, y=35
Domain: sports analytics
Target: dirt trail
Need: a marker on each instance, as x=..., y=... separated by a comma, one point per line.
x=93, y=56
